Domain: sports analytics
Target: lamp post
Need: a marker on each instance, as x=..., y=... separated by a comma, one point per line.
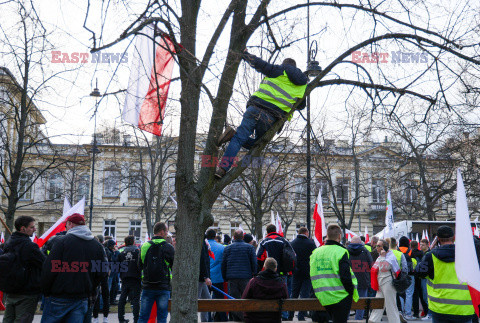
x=313, y=69
x=96, y=94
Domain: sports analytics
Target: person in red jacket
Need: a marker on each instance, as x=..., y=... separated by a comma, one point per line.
x=266, y=285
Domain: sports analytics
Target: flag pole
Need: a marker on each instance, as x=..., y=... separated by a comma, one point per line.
x=6, y=227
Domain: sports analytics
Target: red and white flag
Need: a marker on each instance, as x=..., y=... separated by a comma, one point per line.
x=278, y=224
x=426, y=237
x=468, y=271
x=423, y=234
x=59, y=226
x=367, y=237
x=2, y=238
x=320, y=228
x=149, y=81
x=349, y=234
x=147, y=237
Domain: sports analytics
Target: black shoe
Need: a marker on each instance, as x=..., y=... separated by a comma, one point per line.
x=226, y=136
x=220, y=172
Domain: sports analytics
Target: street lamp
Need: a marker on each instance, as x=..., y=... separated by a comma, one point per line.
x=96, y=94
x=313, y=70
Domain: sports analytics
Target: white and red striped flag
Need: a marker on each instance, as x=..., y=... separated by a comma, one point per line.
x=367, y=237
x=147, y=237
x=59, y=226
x=468, y=271
x=2, y=238
x=320, y=228
x=149, y=81
x=278, y=224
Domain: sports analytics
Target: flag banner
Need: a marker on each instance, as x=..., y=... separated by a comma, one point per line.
x=240, y=228
x=210, y=252
x=389, y=228
x=147, y=237
x=367, y=237
x=468, y=271
x=2, y=238
x=272, y=219
x=279, y=225
x=318, y=217
x=59, y=226
x=149, y=81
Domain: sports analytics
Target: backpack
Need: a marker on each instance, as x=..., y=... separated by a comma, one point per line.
x=289, y=258
x=13, y=275
x=155, y=270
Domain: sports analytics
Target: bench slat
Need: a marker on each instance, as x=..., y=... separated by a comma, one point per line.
x=257, y=305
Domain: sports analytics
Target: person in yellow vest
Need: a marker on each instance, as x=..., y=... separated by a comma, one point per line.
x=281, y=88
x=448, y=300
x=333, y=280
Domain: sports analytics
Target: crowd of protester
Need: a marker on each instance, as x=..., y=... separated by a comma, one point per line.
x=76, y=276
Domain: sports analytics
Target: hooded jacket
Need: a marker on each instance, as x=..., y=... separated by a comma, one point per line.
x=272, y=246
x=266, y=285
x=31, y=257
x=130, y=256
x=361, y=264
x=75, y=266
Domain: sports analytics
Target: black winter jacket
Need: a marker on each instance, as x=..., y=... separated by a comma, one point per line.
x=303, y=247
x=272, y=246
x=130, y=256
x=204, y=263
x=295, y=75
x=75, y=266
x=31, y=257
x=239, y=261
x=361, y=261
x=47, y=247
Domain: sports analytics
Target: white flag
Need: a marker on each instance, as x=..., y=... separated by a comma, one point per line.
x=389, y=227
x=466, y=267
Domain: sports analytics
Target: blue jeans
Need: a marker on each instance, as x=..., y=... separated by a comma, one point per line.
x=359, y=313
x=254, y=120
x=149, y=296
x=285, y=313
x=300, y=287
x=424, y=292
x=64, y=310
x=407, y=303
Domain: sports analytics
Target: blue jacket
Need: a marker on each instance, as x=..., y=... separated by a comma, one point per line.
x=239, y=261
x=216, y=265
x=295, y=75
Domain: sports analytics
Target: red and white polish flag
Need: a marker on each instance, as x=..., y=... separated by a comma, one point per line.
x=320, y=228
x=278, y=224
x=2, y=238
x=367, y=237
x=149, y=81
x=468, y=271
x=59, y=226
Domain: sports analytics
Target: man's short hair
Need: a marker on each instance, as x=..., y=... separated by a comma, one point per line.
x=129, y=240
x=210, y=234
x=362, y=238
x=374, y=239
x=23, y=221
x=159, y=226
x=270, y=263
x=303, y=230
x=393, y=243
x=425, y=241
x=238, y=235
x=100, y=238
x=356, y=239
x=334, y=231
x=289, y=61
x=385, y=244
x=414, y=244
x=271, y=228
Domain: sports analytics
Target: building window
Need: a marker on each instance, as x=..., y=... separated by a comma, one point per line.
x=25, y=186
x=171, y=185
x=323, y=185
x=378, y=191
x=411, y=194
x=109, y=228
x=83, y=187
x=343, y=185
x=111, y=186
x=234, y=226
x=215, y=227
x=55, y=186
x=300, y=189
x=135, y=187
x=135, y=229
x=278, y=189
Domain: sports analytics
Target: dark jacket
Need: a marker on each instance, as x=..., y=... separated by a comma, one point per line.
x=204, y=263
x=168, y=254
x=374, y=254
x=75, y=266
x=344, y=266
x=130, y=255
x=303, y=247
x=295, y=75
x=32, y=259
x=266, y=285
x=239, y=261
x=407, y=253
x=417, y=254
x=361, y=261
x=272, y=246
x=47, y=247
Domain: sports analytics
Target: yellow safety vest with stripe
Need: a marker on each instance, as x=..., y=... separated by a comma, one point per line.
x=143, y=252
x=281, y=92
x=445, y=293
x=325, y=275
x=369, y=248
x=398, y=254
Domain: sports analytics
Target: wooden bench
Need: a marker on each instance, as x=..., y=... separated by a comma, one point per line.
x=278, y=305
